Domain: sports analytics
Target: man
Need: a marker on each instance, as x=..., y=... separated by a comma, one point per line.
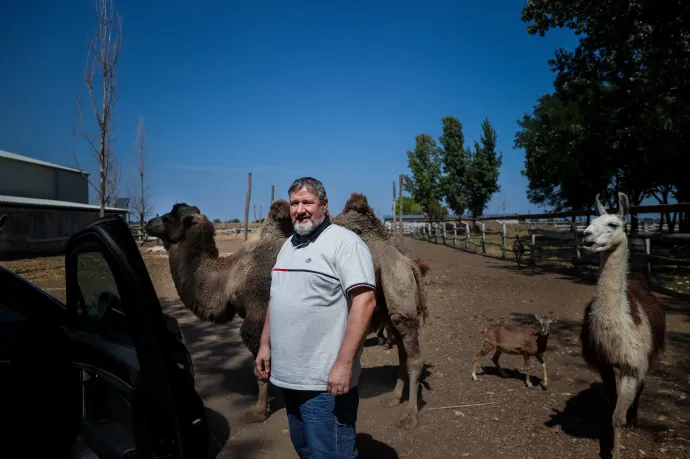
x=322, y=299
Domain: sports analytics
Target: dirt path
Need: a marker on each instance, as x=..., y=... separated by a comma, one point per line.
x=466, y=292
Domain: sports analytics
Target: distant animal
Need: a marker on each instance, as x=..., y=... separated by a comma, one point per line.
x=516, y=339
x=518, y=248
x=624, y=325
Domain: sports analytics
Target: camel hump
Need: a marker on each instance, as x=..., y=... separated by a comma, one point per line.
x=280, y=210
x=358, y=203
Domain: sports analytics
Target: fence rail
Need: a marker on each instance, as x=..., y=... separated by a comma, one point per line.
x=565, y=245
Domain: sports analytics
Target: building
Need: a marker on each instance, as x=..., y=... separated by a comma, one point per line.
x=45, y=204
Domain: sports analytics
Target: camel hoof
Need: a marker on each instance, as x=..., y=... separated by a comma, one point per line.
x=255, y=415
x=409, y=421
x=391, y=401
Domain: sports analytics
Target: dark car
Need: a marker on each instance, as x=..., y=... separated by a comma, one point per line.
x=104, y=375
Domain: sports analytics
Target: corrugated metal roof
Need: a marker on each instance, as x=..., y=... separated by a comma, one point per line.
x=26, y=159
x=35, y=202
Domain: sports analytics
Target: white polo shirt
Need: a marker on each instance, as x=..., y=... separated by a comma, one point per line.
x=310, y=305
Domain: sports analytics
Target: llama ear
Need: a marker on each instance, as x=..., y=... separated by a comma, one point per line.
x=600, y=207
x=538, y=317
x=623, y=205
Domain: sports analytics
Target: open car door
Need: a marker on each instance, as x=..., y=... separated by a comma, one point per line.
x=102, y=377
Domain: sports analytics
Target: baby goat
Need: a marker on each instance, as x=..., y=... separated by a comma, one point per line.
x=518, y=248
x=516, y=339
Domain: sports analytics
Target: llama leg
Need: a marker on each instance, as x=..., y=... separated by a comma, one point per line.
x=396, y=395
x=631, y=418
x=494, y=359
x=527, y=381
x=545, y=378
x=608, y=377
x=488, y=347
x=626, y=394
x=415, y=363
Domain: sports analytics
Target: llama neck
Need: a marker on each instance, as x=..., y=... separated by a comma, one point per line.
x=613, y=273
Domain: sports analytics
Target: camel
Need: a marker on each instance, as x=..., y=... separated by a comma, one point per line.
x=400, y=298
x=217, y=288
x=624, y=325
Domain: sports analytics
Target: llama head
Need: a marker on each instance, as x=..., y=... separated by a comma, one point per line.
x=607, y=231
x=545, y=324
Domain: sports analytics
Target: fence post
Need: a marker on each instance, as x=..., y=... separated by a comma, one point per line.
x=483, y=238
x=573, y=228
x=444, y=232
x=455, y=233
x=428, y=232
x=533, y=242
x=647, y=251
x=504, y=239
x=468, y=241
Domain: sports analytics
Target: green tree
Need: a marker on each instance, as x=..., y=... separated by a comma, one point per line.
x=216, y=220
x=483, y=171
x=454, y=161
x=631, y=76
x=436, y=212
x=425, y=165
x=409, y=206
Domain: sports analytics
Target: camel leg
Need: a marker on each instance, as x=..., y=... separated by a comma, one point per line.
x=494, y=359
x=527, y=381
x=415, y=363
x=251, y=336
x=545, y=378
x=626, y=395
x=396, y=395
x=631, y=418
x=485, y=350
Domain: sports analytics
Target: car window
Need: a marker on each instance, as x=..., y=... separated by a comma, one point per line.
x=100, y=305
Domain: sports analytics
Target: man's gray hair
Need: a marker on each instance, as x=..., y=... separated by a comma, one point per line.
x=311, y=184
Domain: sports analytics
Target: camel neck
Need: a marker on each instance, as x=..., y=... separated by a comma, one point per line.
x=613, y=272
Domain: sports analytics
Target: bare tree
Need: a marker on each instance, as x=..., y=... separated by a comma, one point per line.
x=103, y=52
x=141, y=202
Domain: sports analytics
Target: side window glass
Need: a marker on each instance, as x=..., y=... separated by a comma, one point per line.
x=100, y=305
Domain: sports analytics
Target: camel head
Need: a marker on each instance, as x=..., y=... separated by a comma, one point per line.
x=607, y=231
x=183, y=222
x=279, y=217
x=359, y=218
x=545, y=324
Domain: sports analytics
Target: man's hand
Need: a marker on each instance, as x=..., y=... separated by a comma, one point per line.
x=263, y=362
x=339, y=378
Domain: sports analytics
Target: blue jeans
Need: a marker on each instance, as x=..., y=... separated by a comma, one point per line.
x=322, y=426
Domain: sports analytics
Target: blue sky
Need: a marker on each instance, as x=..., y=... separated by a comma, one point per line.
x=335, y=90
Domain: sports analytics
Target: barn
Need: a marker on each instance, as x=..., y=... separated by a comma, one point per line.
x=45, y=204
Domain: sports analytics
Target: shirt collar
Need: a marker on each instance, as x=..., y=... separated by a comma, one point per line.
x=311, y=237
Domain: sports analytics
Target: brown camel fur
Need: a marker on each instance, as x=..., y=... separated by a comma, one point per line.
x=400, y=298
x=216, y=288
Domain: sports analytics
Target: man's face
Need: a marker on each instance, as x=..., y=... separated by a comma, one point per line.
x=307, y=211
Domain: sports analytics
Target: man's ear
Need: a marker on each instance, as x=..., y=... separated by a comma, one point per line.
x=324, y=202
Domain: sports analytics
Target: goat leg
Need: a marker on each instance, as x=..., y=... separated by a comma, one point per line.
x=545, y=378
x=527, y=381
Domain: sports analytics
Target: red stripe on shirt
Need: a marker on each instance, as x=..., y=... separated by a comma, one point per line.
x=282, y=270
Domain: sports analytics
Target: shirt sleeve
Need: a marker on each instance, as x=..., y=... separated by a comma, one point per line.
x=355, y=267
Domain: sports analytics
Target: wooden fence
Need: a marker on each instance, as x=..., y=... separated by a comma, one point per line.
x=650, y=250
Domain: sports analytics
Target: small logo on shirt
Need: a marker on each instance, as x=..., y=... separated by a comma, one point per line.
x=308, y=260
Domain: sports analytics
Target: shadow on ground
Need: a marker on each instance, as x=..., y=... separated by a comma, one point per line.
x=370, y=448
x=219, y=431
